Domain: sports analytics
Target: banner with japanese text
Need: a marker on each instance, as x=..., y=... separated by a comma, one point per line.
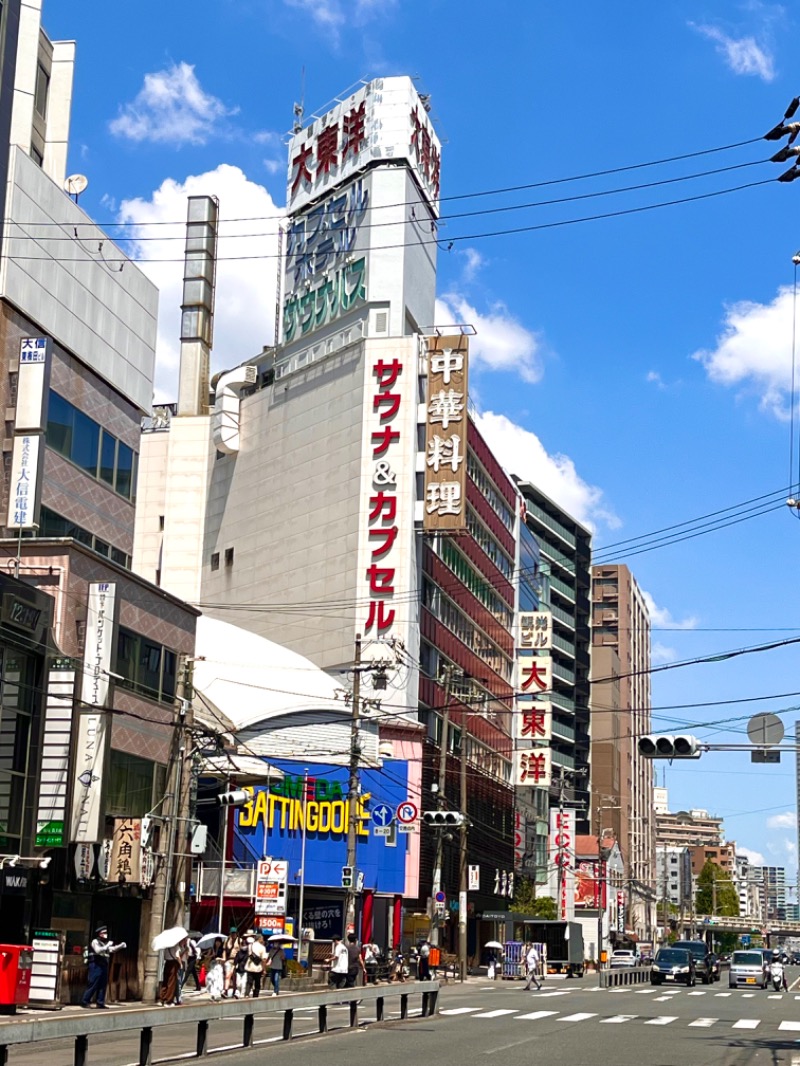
x=445, y=505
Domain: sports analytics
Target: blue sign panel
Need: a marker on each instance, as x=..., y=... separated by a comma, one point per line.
x=273, y=824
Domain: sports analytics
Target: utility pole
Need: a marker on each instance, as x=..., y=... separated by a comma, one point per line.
x=167, y=899
x=448, y=672
x=352, y=793
x=562, y=781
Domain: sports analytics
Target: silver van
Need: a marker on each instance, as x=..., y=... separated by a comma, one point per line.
x=747, y=970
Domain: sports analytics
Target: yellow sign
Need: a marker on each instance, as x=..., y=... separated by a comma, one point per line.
x=289, y=813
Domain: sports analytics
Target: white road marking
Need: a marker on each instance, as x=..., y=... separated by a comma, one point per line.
x=645, y=991
x=581, y=1016
x=662, y=999
x=664, y=1019
x=456, y=1010
x=703, y=1023
x=780, y=996
x=793, y=1027
x=747, y=1023
x=696, y=993
x=535, y=1015
x=545, y=995
x=494, y=1013
x=749, y=995
x=721, y=995
x=618, y=1019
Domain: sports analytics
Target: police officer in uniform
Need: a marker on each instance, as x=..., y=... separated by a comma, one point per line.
x=100, y=951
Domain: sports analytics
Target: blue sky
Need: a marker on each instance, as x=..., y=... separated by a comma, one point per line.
x=637, y=367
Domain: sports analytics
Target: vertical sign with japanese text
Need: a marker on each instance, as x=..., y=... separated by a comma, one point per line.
x=562, y=861
x=125, y=861
x=445, y=505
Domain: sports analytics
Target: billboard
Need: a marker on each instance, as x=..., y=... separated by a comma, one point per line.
x=273, y=824
x=383, y=121
x=445, y=504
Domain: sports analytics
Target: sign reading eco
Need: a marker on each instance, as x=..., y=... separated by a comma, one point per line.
x=324, y=808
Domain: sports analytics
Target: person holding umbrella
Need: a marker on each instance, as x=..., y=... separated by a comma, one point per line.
x=100, y=951
x=173, y=943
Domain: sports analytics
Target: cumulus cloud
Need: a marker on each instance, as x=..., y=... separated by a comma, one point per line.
x=755, y=858
x=244, y=319
x=660, y=617
x=473, y=261
x=743, y=55
x=786, y=820
x=522, y=453
x=660, y=653
x=754, y=351
x=171, y=107
x=501, y=343
x=332, y=15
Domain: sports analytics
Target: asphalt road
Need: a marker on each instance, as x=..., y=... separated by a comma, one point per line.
x=569, y=1023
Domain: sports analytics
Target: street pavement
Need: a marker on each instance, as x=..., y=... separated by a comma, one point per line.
x=568, y=1023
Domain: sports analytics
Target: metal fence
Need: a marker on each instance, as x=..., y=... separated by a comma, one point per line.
x=81, y=1028
x=625, y=975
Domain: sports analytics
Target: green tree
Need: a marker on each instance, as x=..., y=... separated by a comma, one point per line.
x=527, y=902
x=716, y=893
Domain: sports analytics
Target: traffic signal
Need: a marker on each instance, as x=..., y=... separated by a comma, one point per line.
x=235, y=798
x=347, y=877
x=443, y=819
x=663, y=746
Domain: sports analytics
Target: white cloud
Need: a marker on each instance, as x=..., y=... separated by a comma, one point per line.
x=501, y=343
x=755, y=858
x=333, y=15
x=660, y=653
x=521, y=452
x=754, y=350
x=743, y=55
x=474, y=262
x=661, y=618
x=786, y=820
x=244, y=318
x=655, y=378
x=171, y=107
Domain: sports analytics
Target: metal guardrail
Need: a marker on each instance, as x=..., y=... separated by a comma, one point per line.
x=147, y=1019
x=625, y=975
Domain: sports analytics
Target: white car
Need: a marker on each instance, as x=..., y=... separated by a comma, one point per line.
x=624, y=958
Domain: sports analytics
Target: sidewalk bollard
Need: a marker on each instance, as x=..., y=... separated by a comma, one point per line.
x=81, y=1050
x=202, y=1038
x=288, y=1019
x=247, y=1030
x=146, y=1047
x=323, y=1019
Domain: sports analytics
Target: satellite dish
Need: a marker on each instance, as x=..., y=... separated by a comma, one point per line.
x=76, y=184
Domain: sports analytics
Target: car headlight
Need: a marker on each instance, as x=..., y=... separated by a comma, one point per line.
x=684, y=969
x=654, y=969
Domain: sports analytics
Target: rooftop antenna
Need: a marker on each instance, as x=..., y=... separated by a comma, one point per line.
x=75, y=185
x=299, y=109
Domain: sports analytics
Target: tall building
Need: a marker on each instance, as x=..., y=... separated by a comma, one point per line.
x=335, y=486
x=622, y=779
x=90, y=652
x=565, y=546
x=749, y=889
x=684, y=828
x=674, y=875
x=773, y=892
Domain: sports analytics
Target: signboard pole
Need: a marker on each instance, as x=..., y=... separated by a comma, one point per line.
x=300, y=945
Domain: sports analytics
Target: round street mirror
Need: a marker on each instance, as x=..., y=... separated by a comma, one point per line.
x=765, y=730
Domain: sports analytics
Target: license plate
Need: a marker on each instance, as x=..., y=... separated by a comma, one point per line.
x=749, y=980
x=670, y=976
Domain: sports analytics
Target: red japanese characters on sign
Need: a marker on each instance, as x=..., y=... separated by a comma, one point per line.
x=382, y=518
x=533, y=721
x=425, y=150
x=533, y=767
x=562, y=858
x=333, y=143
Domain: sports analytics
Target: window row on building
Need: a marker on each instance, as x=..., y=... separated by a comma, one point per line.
x=84, y=442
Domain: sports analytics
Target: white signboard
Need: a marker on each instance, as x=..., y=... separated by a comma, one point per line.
x=535, y=631
x=533, y=767
x=271, y=887
x=535, y=674
x=473, y=878
x=90, y=751
x=24, y=481
x=99, y=642
x=384, y=120
x=562, y=861
x=532, y=721
x=31, y=384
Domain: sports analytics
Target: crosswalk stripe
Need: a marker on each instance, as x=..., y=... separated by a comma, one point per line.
x=546, y=995
x=703, y=1023
x=721, y=995
x=581, y=1016
x=779, y=996
x=456, y=1010
x=662, y=999
x=645, y=991
x=790, y=1026
x=696, y=993
x=663, y=1019
x=494, y=1013
x=749, y=995
x=747, y=1023
x=535, y=1015
x=618, y=1019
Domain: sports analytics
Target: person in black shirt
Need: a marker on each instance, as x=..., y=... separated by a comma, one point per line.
x=355, y=963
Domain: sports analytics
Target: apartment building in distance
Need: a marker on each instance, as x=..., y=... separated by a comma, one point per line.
x=687, y=828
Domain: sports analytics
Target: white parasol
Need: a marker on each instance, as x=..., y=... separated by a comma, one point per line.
x=168, y=938
x=494, y=944
x=207, y=940
x=281, y=937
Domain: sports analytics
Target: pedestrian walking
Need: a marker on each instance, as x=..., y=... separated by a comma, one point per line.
x=169, y=994
x=254, y=967
x=338, y=960
x=190, y=965
x=275, y=963
x=532, y=960
x=230, y=950
x=372, y=956
x=100, y=951
x=355, y=962
x=424, y=962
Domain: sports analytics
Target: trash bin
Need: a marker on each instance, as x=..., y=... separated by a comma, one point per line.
x=15, y=976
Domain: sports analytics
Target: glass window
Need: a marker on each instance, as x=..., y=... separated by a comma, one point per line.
x=42, y=90
x=101, y=547
x=130, y=785
x=85, y=442
x=168, y=677
x=59, y=424
x=120, y=558
x=124, y=482
x=145, y=666
x=108, y=458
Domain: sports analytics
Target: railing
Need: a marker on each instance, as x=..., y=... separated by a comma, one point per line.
x=625, y=975
x=147, y=1019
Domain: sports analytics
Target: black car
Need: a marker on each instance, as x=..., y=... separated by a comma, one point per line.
x=704, y=960
x=673, y=965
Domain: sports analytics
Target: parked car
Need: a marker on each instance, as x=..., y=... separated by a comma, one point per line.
x=703, y=959
x=747, y=969
x=673, y=965
x=623, y=957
